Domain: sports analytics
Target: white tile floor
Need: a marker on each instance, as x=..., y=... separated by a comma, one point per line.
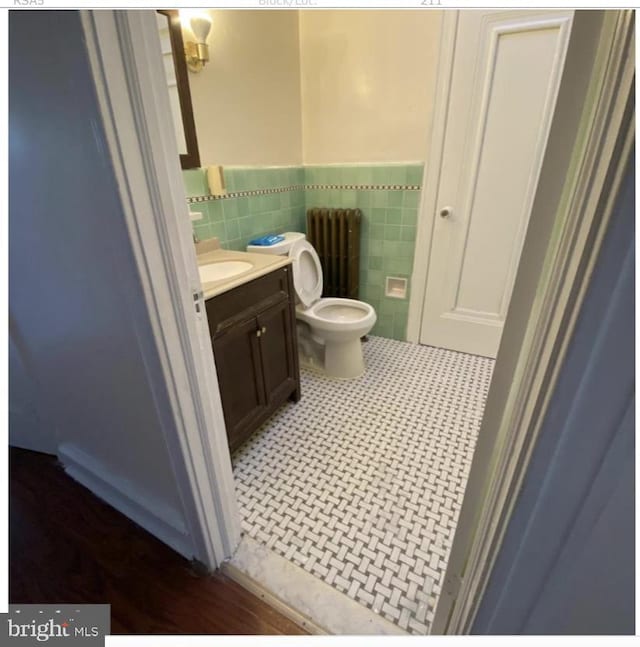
x=360, y=483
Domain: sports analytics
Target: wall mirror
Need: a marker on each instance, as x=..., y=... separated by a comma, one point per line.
x=175, y=69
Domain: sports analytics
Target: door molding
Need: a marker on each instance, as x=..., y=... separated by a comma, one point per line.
x=431, y=174
x=123, y=49
x=605, y=141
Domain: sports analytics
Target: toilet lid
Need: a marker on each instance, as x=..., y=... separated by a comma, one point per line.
x=307, y=272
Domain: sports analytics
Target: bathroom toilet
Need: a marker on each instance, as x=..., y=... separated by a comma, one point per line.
x=329, y=329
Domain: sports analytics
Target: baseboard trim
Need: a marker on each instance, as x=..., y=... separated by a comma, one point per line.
x=160, y=520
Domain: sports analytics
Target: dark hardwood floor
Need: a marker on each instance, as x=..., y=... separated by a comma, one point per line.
x=67, y=546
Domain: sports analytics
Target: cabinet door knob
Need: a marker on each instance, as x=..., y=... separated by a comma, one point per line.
x=263, y=330
x=258, y=333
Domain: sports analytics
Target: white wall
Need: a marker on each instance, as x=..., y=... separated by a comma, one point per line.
x=28, y=427
x=246, y=101
x=75, y=301
x=367, y=84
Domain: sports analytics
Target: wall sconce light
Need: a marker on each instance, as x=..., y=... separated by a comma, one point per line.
x=197, y=53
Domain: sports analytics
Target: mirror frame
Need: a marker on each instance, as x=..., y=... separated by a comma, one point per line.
x=192, y=157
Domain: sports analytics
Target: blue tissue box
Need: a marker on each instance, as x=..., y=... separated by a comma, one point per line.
x=265, y=241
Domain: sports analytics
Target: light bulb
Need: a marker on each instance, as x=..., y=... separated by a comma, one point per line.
x=201, y=26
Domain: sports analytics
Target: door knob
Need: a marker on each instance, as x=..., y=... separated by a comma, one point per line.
x=445, y=212
x=263, y=329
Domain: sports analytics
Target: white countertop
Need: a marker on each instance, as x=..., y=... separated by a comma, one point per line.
x=262, y=264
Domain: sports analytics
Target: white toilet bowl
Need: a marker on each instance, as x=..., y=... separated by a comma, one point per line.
x=340, y=323
x=337, y=323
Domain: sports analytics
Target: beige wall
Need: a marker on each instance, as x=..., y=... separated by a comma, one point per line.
x=246, y=101
x=283, y=87
x=367, y=84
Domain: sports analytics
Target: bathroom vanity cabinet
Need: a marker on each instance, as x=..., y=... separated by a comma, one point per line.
x=253, y=333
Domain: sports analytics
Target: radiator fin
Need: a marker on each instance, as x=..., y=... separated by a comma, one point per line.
x=335, y=235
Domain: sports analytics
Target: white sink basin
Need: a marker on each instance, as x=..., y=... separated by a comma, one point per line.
x=222, y=270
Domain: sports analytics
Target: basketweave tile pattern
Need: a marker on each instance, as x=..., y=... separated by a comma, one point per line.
x=360, y=483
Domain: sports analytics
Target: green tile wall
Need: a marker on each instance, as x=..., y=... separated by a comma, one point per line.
x=235, y=220
x=389, y=219
x=389, y=207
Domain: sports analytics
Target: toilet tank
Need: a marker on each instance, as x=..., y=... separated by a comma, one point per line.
x=282, y=248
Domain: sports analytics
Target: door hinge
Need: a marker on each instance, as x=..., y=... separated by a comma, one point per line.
x=198, y=297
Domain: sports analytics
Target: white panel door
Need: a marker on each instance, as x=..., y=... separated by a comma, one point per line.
x=506, y=71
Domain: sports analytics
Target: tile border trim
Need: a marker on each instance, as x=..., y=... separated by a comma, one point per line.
x=366, y=187
x=295, y=187
x=243, y=194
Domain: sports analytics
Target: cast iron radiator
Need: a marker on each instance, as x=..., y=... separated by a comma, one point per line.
x=335, y=235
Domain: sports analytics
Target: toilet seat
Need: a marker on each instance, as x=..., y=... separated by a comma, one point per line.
x=345, y=314
x=307, y=272
x=330, y=312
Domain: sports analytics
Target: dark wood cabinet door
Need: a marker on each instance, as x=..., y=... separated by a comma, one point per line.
x=240, y=376
x=257, y=371
x=277, y=352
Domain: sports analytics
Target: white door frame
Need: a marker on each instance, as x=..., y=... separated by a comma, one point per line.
x=431, y=175
x=123, y=49
x=605, y=140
